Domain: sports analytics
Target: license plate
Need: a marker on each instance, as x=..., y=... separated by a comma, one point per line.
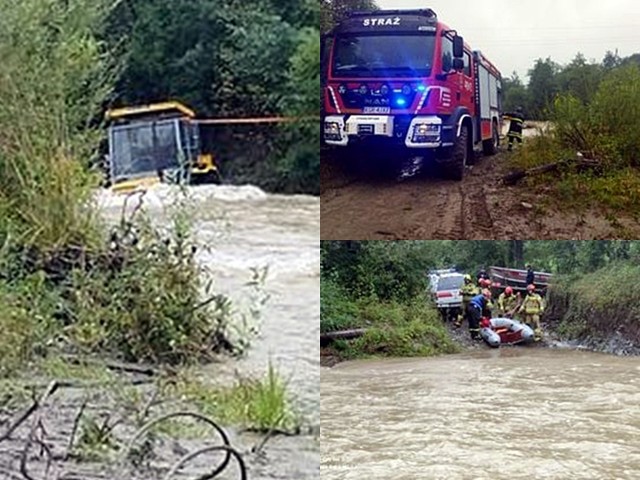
x=377, y=110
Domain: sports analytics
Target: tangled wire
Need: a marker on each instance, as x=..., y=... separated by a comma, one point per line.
x=54, y=471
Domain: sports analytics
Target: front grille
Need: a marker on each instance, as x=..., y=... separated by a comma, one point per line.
x=352, y=97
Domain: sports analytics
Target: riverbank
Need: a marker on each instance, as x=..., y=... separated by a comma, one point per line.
x=599, y=311
x=596, y=312
x=389, y=329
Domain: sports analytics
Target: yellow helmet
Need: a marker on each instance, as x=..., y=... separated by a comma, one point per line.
x=467, y=278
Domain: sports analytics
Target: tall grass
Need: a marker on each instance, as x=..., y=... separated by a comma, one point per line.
x=394, y=328
x=259, y=403
x=55, y=77
x=63, y=282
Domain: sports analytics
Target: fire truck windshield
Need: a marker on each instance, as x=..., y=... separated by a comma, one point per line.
x=385, y=55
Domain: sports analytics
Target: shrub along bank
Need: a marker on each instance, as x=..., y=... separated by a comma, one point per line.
x=600, y=310
x=394, y=328
x=605, y=130
x=67, y=284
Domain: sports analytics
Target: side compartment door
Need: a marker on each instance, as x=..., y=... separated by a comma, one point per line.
x=467, y=90
x=466, y=85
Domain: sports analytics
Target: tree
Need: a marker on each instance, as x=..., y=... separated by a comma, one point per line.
x=542, y=86
x=332, y=11
x=580, y=78
x=514, y=93
x=611, y=60
x=301, y=162
x=516, y=253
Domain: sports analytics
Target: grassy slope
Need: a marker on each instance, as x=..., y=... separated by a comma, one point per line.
x=394, y=329
x=597, y=305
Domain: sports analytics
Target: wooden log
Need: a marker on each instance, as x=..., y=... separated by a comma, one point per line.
x=583, y=164
x=341, y=335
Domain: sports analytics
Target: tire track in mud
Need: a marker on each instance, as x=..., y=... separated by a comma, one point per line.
x=450, y=218
x=358, y=206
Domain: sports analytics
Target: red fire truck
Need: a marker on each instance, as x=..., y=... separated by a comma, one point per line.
x=403, y=79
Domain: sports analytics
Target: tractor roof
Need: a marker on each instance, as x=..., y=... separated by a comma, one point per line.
x=162, y=110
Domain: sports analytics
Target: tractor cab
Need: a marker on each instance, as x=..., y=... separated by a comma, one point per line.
x=156, y=143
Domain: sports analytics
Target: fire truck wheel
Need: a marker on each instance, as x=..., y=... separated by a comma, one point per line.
x=490, y=147
x=460, y=156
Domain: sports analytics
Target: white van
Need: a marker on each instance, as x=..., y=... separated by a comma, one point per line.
x=447, y=295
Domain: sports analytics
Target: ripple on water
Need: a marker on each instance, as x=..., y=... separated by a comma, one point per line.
x=540, y=414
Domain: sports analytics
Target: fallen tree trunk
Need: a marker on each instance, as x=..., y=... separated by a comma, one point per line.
x=581, y=163
x=341, y=335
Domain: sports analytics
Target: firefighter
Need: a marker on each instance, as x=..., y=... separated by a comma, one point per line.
x=468, y=291
x=515, y=127
x=533, y=307
x=508, y=303
x=531, y=276
x=482, y=275
x=477, y=309
x=485, y=283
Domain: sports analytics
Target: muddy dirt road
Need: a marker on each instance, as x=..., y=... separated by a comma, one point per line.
x=357, y=204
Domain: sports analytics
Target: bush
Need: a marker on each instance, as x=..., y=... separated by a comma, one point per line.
x=63, y=281
x=396, y=329
x=53, y=84
x=605, y=130
x=337, y=312
x=598, y=303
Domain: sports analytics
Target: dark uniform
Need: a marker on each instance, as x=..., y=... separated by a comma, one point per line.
x=477, y=309
x=515, y=127
x=530, y=276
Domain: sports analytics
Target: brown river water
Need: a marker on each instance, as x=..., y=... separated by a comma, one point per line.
x=513, y=413
x=237, y=228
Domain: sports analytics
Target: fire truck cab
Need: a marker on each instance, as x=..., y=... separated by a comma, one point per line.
x=403, y=79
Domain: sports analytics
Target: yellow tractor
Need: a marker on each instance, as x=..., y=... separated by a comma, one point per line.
x=156, y=143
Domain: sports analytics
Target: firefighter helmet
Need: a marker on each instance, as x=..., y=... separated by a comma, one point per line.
x=531, y=287
x=508, y=290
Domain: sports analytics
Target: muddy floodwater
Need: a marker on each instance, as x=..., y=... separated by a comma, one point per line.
x=238, y=228
x=513, y=413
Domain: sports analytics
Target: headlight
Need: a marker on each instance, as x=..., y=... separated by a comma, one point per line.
x=426, y=129
x=384, y=89
x=332, y=128
x=426, y=133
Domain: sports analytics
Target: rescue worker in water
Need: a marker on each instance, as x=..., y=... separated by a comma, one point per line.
x=477, y=309
x=515, y=127
x=508, y=303
x=468, y=291
x=533, y=307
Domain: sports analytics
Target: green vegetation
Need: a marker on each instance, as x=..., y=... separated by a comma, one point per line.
x=380, y=286
x=605, y=130
x=230, y=58
x=255, y=403
x=580, y=79
x=394, y=329
x=598, y=304
x=67, y=284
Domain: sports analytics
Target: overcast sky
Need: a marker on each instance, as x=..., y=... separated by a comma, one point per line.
x=513, y=34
